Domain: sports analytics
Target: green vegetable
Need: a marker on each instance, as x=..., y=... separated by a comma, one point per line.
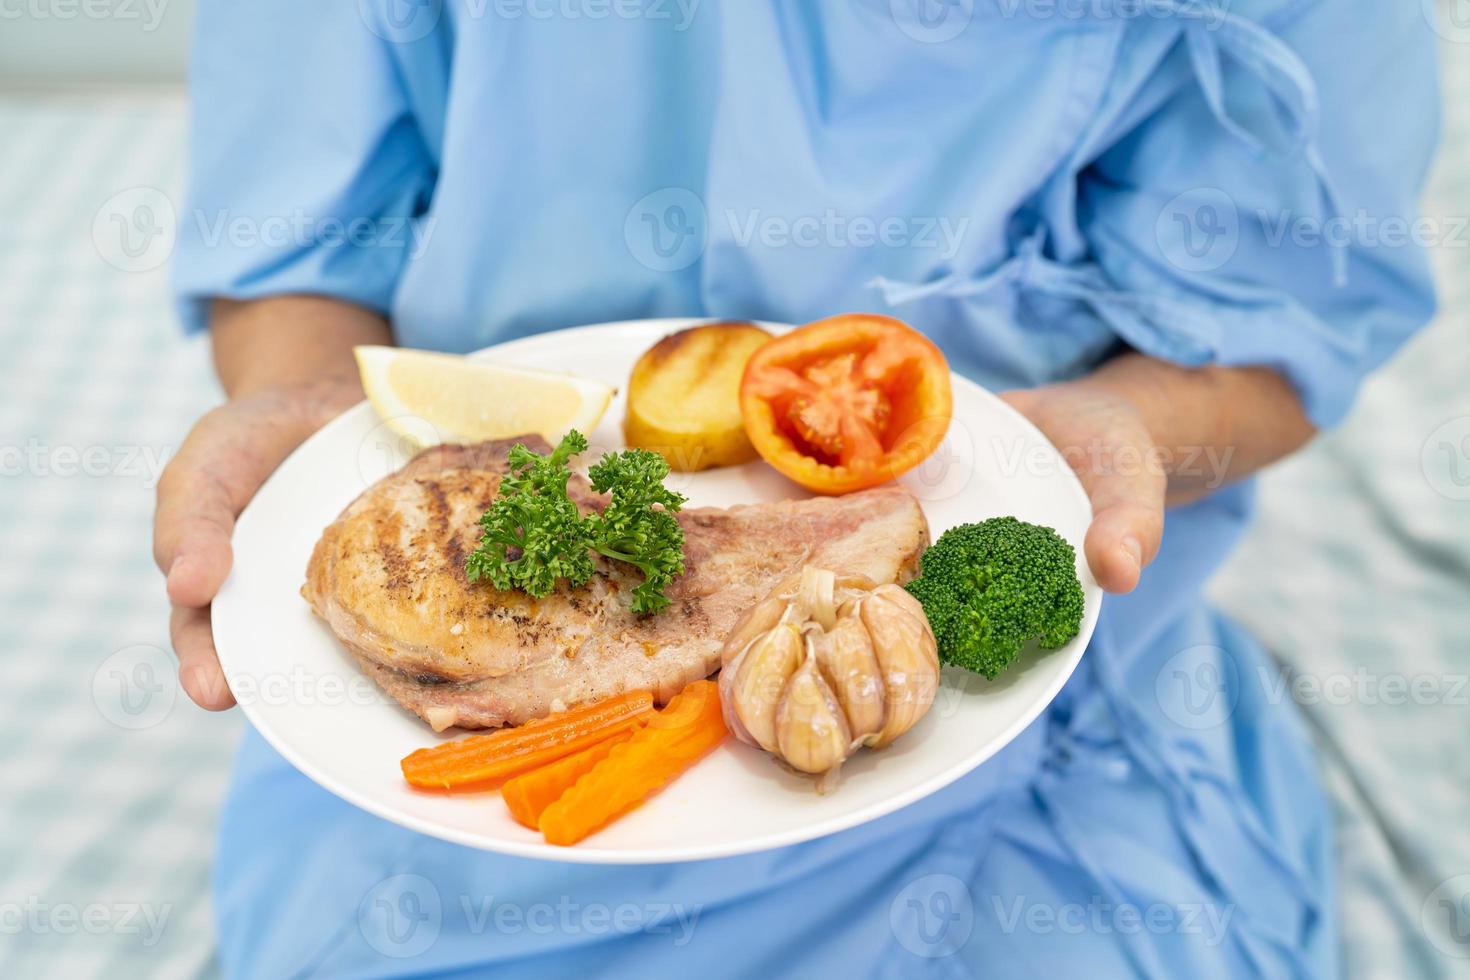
x=533, y=519
x=532, y=534
x=990, y=588
x=631, y=529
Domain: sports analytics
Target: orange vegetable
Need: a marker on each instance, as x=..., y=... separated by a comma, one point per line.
x=846, y=403
x=484, y=760
x=530, y=793
x=685, y=731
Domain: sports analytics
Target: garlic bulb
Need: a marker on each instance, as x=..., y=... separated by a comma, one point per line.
x=826, y=665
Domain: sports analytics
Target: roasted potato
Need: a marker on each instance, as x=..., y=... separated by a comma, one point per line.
x=684, y=396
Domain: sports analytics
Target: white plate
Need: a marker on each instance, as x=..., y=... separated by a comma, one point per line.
x=308, y=698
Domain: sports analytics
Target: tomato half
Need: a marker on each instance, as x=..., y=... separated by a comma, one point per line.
x=846, y=403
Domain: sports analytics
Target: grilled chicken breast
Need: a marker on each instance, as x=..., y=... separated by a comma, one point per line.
x=388, y=578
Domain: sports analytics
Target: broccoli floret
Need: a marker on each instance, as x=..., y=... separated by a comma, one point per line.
x=990, y=588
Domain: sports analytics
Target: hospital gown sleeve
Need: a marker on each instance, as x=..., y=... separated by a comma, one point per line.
x=307, y=166
x=1264, y=210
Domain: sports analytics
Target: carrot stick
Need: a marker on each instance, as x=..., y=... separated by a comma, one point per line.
x=530, y=793
x=685, y=731
x=484, y=760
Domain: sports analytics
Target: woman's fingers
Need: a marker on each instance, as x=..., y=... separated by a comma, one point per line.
x=191, y=529
x=219, y=467
x=1126, y=482
x=1127, y=528
x=223, y=461
x=1113, y=456
x=199, y=671
x=192, y=525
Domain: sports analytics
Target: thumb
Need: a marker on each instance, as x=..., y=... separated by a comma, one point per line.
x=221, y=464
x=1127, y=523
x=1113, y=456
x=195, y=516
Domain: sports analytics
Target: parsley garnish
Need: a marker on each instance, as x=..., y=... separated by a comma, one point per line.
x=533, y=535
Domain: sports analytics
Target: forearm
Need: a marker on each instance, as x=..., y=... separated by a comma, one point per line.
x=289, y=340
x=1211, y=425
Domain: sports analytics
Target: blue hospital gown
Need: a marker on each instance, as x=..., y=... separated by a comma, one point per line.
x=1036, y=186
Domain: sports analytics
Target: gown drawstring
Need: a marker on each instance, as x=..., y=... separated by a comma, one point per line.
x=1268, y=59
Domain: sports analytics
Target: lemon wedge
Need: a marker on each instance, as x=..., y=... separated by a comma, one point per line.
x=430, y=398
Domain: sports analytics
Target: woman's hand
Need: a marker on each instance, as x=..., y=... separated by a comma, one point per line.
x=1142, y=434
x=287, y=364
x=221, y=464
x=1104, y=439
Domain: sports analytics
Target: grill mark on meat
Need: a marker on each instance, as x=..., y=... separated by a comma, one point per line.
x=396, y=566
x=439, y=514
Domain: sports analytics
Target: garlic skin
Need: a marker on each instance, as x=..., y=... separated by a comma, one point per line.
x=825, y=665
x=758, y=619
x=850, y=667
x=811, y=730
x=909, y=660
x=756, y=682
